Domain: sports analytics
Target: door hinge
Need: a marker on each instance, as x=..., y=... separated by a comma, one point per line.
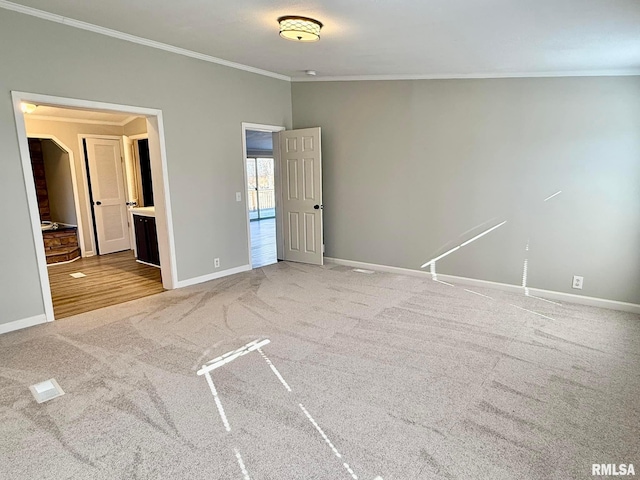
x=323, y=248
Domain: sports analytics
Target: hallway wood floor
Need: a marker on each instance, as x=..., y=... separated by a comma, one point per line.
x=110, y=279
x=263, y=242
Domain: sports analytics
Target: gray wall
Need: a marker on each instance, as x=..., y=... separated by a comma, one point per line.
x=59, y=183
x=411, y=167
x=204, y=145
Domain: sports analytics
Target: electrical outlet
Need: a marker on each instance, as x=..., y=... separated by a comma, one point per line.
x=577, y=282
x=238, y=197
x=216, y=262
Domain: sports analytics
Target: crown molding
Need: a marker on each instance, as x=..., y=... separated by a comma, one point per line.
x=49, y=118
x=34, y=12
x=463, y=76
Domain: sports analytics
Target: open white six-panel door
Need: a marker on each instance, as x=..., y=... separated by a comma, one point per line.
x=301, y=191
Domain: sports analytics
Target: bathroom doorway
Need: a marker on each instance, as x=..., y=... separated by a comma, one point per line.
x=261, y=180
x=75, y=278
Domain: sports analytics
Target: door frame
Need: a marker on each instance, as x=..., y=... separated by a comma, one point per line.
x=85, y=181
x=136, y=159
x=74, y=184
x=136, y=173
x=157, y=147
x=276, y=172
x=255, y=161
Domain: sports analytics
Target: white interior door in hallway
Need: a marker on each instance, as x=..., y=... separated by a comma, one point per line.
x=106, y=178
x=301, y=170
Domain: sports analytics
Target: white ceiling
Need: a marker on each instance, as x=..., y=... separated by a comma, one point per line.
x=396, y=38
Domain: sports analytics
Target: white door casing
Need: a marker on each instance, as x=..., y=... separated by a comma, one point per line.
x=301, y=180
x=130, y=170
x=109, y=194
x=158, y=153
x=130, y=174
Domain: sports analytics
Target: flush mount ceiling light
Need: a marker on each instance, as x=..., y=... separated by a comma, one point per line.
x=28, y=107
x=299, y=29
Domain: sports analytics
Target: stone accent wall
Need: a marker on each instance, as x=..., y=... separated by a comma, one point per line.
x=37, y=162
x=61, y=245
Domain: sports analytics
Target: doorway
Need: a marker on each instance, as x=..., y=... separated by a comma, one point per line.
x=261, y=180
x=113, y=170
x=260, y=184
x=107, y=188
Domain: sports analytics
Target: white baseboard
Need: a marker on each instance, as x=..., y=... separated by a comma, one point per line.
x=24, y=323
x=212, y=276
x=548, y=294
x=584, y=300
x=473, y=282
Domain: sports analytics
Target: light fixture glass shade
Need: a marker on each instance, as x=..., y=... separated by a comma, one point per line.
x=299, y=29
x=28, y=107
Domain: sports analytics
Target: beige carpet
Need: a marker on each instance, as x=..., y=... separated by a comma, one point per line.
x=366, y=376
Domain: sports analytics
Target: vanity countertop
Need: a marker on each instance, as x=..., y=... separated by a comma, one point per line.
x=144, y=211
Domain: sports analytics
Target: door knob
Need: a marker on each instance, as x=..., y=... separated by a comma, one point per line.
x=98, y=202
x=318, y=207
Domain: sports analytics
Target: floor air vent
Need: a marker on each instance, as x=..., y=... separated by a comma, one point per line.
x=46, y=390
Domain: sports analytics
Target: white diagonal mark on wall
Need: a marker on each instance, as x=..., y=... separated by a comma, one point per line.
x=554, y=195
x=449, y=252
x=525, y=269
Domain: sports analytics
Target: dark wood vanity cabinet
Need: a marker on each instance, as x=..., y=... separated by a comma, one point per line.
x=146, y=239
